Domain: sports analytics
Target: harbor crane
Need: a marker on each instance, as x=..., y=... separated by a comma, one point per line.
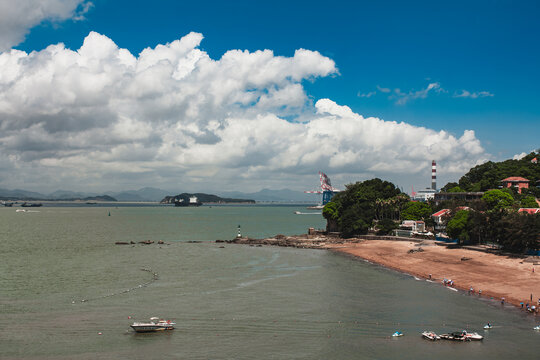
x=327, y=190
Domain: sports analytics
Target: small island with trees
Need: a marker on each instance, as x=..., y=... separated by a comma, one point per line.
x=204, y=199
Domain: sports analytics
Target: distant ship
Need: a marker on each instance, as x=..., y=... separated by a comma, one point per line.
x=193, y=201
x=31, y=204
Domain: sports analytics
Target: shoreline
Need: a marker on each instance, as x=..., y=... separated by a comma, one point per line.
x=513, y=278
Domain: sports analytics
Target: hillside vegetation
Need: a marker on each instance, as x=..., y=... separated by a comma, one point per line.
x=489, y=175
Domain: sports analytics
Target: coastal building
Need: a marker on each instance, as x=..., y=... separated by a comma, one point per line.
x=424, y=195
x=413, y=225
x=534, y=161
x=443, y=196
x=516, y=182
x=530, y=211
x=439, y=218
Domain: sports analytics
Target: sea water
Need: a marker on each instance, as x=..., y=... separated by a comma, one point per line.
x=68, y=292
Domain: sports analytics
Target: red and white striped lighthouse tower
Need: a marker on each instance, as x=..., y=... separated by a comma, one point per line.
x=433, y=175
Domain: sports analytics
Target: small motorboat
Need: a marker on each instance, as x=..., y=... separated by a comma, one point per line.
x=537, y=327
x=430, y=335
x=155, y=324
x=472, y=335
x=397, y=333
x=488, y=326
x=456, y=336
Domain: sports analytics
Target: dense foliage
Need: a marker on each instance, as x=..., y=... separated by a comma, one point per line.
x=512, y=231
x=457, y=226
x=489, y=175
x=415, y=210
x=497, y=199
x=352, y=211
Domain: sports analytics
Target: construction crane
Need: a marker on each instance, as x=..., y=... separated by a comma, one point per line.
x=327, y=190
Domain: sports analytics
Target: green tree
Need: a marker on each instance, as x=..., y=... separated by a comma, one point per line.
x=497, y=199
x=456, y=189
x=415, y=210
x=385, y=226
x=529, y=202
x=519, y=232
x=356, y=206
x=457, y=226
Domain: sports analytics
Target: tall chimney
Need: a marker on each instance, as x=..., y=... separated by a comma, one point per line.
x=434, y=175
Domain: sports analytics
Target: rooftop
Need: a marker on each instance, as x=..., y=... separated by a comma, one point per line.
x=515, y=179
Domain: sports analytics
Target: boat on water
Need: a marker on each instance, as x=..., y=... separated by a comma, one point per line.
x=397, y=334
x=472, y=335
x=488, y=326
x=430, y=335
x=155, y=324
x=462, y=336
x=537, y=327
x=316, y=207
x=25, y=204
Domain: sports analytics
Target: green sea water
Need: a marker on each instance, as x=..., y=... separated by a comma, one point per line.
x=229, y=301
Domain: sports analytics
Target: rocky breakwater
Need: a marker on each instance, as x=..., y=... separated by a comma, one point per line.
x=304, y=241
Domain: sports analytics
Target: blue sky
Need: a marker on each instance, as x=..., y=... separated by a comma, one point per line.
x=451, y=66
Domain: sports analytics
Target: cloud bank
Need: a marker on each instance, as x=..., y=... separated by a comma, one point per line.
x=17, y=17
x=103, y=118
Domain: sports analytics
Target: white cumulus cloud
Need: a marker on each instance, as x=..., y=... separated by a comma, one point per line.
x=102, y=118
x=473, y=95
x=17, y=17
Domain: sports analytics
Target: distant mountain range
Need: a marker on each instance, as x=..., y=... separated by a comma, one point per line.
x=149, y=194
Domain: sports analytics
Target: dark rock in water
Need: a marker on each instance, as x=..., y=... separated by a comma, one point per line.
x=132, y=242
x=220, y=241
x=146, y=242
x=193, y=241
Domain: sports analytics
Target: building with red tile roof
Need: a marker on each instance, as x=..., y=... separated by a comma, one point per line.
x=531, y=211
x=517, y=182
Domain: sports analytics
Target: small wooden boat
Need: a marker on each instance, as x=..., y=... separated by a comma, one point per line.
x=155, y=324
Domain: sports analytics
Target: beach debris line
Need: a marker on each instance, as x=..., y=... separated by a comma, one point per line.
x=155, y=277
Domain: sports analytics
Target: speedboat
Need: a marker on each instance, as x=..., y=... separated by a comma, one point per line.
x=488, y=326
x=456, y=336
x=155, y=324
x=537, y=327
x=472, y=335
x=431, y=335
x=397, y=333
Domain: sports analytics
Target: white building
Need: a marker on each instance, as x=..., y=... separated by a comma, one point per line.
x=424, y=195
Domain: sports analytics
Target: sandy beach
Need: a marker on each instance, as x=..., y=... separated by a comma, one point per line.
x=496, y=276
